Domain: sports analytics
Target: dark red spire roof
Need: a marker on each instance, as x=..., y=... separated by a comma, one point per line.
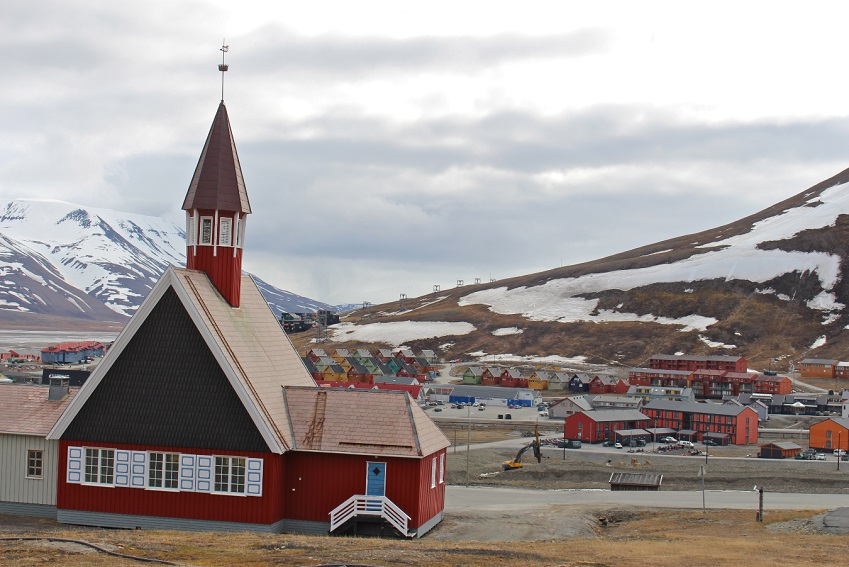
x=218, y=183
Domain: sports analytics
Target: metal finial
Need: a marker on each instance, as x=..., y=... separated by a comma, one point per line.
x=223, y=67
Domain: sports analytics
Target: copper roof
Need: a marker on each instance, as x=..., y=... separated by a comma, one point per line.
x=218, y=183
x=373, y=422
x=25, y=409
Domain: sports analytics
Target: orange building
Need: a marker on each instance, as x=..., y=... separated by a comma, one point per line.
x=817, y=368
x=830, y=434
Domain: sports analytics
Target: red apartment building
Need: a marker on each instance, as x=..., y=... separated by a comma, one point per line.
x=724, y=424
x=675, y=362
x=600, y=425
x=660, y=377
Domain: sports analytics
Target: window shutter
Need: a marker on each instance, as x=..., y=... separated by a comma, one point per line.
x=122, y=467
x=254, y=480
x=204, y=474
x=75, y=465
x=138, y=469
x=187, y=472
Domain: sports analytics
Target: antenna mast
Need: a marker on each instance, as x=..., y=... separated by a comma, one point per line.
x=223, y=67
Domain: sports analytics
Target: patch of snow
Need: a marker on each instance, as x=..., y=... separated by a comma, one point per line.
x=688, y=290
x=503, y=331
x=783, y=296
x=551, y=359
x=825, y=302
x=818, y=343
x=477, y=353
x=765, y=291
x=658, y=252
x=445, y=346
x=679, y=353
x=714, y=344
x=399, y=332
x=830, y=319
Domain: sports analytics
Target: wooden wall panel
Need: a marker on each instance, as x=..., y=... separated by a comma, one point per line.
x=266, y=509
x=16, y=487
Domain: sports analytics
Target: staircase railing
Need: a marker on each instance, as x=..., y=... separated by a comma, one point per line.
x=362, y=505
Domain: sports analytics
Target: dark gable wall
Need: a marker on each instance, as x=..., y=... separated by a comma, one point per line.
x=167, y=389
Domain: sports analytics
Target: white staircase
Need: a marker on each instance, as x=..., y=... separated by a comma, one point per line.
x=361, y=505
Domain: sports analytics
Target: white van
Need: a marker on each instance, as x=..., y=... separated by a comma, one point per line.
x=686, y=444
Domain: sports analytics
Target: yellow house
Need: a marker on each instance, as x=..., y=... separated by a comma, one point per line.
x=538, y=380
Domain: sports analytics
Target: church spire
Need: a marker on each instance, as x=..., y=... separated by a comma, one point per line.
x=216, y=206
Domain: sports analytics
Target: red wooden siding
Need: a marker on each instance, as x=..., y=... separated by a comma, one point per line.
x=318, y=482
x=222, y=267
x=265, y=509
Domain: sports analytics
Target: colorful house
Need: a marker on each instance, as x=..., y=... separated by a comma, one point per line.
x=225, y=429
x=830, y=434
x=538, y=380
x=473, y=375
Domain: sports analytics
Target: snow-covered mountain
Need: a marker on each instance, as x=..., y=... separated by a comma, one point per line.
x=62, y=260
x=772, y=285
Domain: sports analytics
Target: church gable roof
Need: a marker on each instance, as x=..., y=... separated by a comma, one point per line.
x=247, y=343
x=387, y=423
x=218, y=182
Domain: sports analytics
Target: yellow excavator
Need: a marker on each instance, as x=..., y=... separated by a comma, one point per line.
x=516, y=463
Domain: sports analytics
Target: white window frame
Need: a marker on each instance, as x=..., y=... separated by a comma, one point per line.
x=166, y=468
x=191, y=229
x=35, y=463
x=104, y=474
x=225, y=231
x=225, y=474
x=202, y=240
x=433, y=473
x=442, y=468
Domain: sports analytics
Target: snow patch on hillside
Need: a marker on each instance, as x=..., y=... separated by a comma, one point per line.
x=504, y=331
x=735, y=258
x=551, y=359
x=398, y=332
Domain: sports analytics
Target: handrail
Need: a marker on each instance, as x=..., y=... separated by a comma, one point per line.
x=362, y=505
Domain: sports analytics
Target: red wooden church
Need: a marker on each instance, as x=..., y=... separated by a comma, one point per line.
x=225, y=429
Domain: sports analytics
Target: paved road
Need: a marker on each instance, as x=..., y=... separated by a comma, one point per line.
x=461, y=499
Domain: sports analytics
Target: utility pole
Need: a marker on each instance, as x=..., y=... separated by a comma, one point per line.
x=702, y=474
x=760, y=490
x=468, y=440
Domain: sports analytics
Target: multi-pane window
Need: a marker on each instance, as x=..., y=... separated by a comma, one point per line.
x=163, y=470
x=230, y=474
x=35, y=463
x=225, y=233
x=205, y=230
x=99, y=466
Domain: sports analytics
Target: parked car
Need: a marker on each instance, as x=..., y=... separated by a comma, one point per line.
x=686, y=444
x=617, y=445
x=607, y=444
x=669, y=440
x=709, y=442
x=820, y=457
x=839, y=452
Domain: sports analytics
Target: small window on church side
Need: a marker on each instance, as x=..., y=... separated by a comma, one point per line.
x=205, y=230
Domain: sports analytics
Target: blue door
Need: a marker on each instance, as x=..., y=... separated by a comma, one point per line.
x=375, y=479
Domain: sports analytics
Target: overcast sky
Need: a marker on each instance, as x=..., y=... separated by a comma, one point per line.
x=391, y=146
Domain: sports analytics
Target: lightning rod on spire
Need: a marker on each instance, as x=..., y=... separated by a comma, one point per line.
x=223, y=67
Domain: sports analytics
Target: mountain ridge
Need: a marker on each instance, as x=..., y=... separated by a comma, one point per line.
x=65, y=266
x=773, y=284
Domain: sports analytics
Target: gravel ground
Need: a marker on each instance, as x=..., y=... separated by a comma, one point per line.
x=590, y=469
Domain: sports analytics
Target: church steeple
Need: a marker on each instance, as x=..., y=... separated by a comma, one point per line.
x=216, y=208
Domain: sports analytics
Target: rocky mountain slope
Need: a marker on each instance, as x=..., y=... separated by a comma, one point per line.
x=771, y=285
x=63, y=266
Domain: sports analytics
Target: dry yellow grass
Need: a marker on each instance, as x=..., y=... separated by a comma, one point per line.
x=657, y=538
